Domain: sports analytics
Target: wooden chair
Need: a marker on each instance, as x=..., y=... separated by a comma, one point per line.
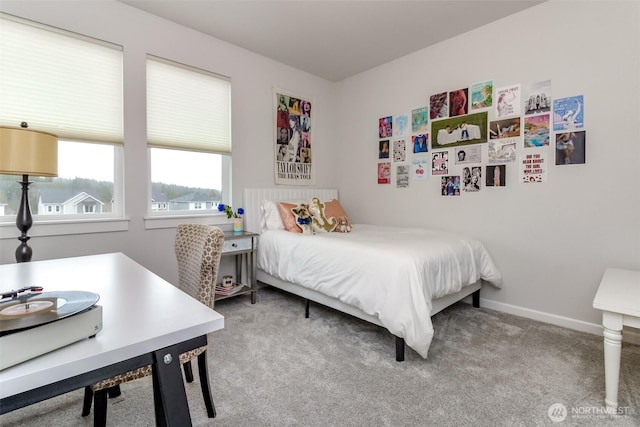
x=198, y=249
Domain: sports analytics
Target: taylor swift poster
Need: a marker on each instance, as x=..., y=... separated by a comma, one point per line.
x=293, y=143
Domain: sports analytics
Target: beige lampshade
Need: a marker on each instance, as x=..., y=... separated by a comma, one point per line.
x=27, y=152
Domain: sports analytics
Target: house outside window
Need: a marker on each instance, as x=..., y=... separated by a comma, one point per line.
x=61, y=65
x=189, y=138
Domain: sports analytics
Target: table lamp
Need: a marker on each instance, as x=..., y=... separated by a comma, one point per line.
x=26, y=152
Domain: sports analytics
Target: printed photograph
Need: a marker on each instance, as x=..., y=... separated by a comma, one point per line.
x=468, y=154
x=456, y=131
x=570, y=148
x=471, y=178
x=482, y=95
x=568, y=113
x=496, y=176
x=383, y=149
x=438, y=106
x=399, y=150
x=420, y=143
x=440, y=163
x=384, y=173
x=400, y=125
x=502, y=150
x=458, y=102
x=536, y=131
x=420, y=120
x=537, y=97
x=508, y=101
x=450, y=185
x=506, y=128
x=385, y=125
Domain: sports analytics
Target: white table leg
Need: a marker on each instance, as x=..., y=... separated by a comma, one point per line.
x=612, y=350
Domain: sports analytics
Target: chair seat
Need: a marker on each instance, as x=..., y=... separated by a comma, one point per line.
x=143, y=371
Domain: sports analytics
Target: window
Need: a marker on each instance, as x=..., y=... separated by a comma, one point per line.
x=189, y=138
x=71, y=86
x=83, y=186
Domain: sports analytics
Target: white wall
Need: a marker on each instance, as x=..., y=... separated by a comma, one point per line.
x=551, y=241
x=253, y=78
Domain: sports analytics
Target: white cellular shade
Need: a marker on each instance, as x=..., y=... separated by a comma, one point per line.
x=187, y=108
x=60, y=82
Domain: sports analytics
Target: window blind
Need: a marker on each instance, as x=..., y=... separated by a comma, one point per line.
x=187, y=108
x=60, y=82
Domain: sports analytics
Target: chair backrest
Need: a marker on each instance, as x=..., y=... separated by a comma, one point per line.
x=198, y=249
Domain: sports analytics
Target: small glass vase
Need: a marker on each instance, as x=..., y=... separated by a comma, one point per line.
x=237, y=225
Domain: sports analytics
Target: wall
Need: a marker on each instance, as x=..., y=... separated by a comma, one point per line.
x=253, y=77
x=552, y=241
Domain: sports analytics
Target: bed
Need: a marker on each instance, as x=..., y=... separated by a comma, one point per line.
x=351, y=272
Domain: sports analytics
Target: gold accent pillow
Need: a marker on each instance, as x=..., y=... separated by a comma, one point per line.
x=329, y=216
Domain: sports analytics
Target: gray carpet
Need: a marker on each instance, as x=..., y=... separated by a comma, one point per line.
x=272, y=367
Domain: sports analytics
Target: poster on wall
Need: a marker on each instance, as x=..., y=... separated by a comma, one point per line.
x=471, y=178
x=505, y=128
x=383, y=149
x=384, y=173
x=420, y=167
x=470, y=154
x=419, y=120
x=385, y=127
x=440, y=163
x=508, y=101
x=400, y=125
x=533, y=168
x=458, y=102
x=293, y=144
x=482, y=95
x=462, y=130
x=402, y=176
x=536, y=131
x=438, y=106
x=568, y=113
x=399, y=150
x=502, y=150
x=496, y=176
x=450, y=185
x=537, y=97
x=570, y=148
x=420, y=143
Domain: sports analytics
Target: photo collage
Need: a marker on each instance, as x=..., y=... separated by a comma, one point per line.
x=467, y=137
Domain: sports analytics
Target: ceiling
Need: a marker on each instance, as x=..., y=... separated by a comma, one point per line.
x=333, y=39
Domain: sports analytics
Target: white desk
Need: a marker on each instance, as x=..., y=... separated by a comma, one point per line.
x=145, y=318
x=618, y=297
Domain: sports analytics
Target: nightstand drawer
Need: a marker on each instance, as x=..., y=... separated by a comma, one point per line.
x=234, y=245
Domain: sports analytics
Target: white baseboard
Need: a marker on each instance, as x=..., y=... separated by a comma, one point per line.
x=629, y=335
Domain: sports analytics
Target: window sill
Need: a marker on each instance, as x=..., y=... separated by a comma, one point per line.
x=40, y=228
x=172, y=221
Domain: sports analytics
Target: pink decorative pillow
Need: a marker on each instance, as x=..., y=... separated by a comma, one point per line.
x=290, y=214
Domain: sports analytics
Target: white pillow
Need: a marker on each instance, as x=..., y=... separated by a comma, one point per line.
x=270, y=216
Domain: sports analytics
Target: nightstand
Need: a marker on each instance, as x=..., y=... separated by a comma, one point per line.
x=242, y=245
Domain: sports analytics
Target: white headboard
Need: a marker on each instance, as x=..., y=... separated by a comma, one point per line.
x=252, y=198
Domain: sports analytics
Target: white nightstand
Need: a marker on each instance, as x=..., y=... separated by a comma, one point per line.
x=242, y=245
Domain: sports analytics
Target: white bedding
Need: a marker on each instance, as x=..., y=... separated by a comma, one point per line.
x=388, y=272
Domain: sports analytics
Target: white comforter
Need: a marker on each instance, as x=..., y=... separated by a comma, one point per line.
x=388, y=272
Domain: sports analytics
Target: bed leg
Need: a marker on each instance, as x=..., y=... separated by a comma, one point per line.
x=306, y=308
x=399, y=349
x=476, y=298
